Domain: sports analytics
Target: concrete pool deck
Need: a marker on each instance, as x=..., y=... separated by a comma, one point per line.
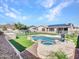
x=44, y=50
x=68, y=47
x=47, y=35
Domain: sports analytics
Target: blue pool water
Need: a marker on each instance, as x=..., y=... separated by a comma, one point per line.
x=44, y=40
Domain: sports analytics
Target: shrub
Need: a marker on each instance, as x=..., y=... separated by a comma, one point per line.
x=61, y=55
x=72, y=37
x=17, y=37
x=57, y=55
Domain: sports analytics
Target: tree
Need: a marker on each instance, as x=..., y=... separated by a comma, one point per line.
x=20, y=26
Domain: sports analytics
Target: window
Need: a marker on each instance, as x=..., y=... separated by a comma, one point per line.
x=51, y=29
x=43, y=29
x=65, y=29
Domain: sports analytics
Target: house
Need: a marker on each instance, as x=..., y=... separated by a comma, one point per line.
x=33, y=29
x=7, y=26
x=10, y=26
x=59, y=28
x=42, y=28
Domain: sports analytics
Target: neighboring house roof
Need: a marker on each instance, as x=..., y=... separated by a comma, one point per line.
x=32, y=26
x=44, y=26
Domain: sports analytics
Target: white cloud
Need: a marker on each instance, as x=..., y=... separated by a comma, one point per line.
x=4, y=6
x=16, y=17
x=24, y=17
x=47, y=3
x=57, y=10
x=11, y=14
x=8, y=11
x=15, y=11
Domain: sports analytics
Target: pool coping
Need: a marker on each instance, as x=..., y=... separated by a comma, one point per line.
x=30, y=36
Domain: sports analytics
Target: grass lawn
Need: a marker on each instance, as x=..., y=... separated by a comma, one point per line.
x=35, y=33
x=21, y=43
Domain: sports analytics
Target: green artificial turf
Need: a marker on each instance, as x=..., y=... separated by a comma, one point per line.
x=21, y=43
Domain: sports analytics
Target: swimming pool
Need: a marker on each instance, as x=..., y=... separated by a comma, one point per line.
x=44, y=40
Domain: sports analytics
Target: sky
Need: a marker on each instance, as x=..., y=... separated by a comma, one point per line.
x=39, y=12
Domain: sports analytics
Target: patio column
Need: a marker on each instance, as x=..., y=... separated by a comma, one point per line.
x=55, y=30
x=63, y=29
x=46, y=30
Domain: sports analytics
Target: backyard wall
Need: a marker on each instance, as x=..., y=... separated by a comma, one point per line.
x=6, y=50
